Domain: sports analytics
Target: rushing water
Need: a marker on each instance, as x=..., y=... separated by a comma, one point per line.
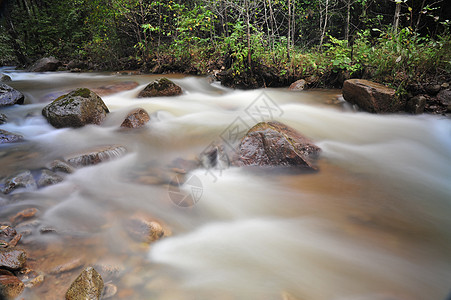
x=372, y=224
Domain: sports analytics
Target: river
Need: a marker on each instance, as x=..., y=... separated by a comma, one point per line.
x=373, y=224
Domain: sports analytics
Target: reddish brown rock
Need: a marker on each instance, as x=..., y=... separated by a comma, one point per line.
x=372, y=97
x=275, y=144
x=24, y=215
x=136, y=119
x=10, y=286
x=160, y=88
x=12, y=258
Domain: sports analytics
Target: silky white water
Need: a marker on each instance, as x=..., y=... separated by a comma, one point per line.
x=372, y=224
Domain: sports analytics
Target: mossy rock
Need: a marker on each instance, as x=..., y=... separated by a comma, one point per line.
x=160, y=88
x=87, y=286
x=76, y=109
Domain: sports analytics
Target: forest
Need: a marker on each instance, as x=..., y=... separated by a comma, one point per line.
x=248, y=43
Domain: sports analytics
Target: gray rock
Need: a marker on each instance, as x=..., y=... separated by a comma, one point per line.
x=97, y=155
x=87, y=286
x=3, y=119
x=298, y=85
x=9, y=137
x=48, y=177
x=45, y=64
x=416, y=104
x=76, y=109
x=10, y=96
x=4, y=78
x=371, y=97
x=433, y=89
x=12, y=258
x=444, y=97
x=160, y=88
x=60, y=166
x=22, y=180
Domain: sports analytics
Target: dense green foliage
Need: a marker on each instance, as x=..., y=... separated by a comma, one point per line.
x=394, y=40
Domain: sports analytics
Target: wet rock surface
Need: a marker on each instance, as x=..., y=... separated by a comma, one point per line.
x=12, y=258
x=9, y=137
x=88, y=286
x=96, y=155
x=143, y=230
x=275, y=144
x=136, y=119
x=47, y=178
x=3, y=119
x=76, y=109
x=4, y=78
x=10, y=286
x=372, y=97
x=10, y=96
x=160, y=88
x=21, y=180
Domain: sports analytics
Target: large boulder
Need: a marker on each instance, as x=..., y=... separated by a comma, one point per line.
x=371, y=97
x=10, y=96
x=45, y=64
x=275, y=144
x=160, y=88
x=76, y=109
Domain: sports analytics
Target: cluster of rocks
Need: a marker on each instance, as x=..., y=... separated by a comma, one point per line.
x=377, y=98
x=15, y=274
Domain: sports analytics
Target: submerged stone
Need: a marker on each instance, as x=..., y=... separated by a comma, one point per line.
x=22, y=180
x=96, y=155
x=9, y=137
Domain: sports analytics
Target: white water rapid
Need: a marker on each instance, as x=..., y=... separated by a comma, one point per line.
x=373, y=224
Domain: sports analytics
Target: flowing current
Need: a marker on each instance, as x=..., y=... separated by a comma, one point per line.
x=373, y=224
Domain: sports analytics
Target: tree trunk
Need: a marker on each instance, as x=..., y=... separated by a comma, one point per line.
x=348, y=20
x=396, y=17
x=325, y=24
x=289, y=29
x=249, y=58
